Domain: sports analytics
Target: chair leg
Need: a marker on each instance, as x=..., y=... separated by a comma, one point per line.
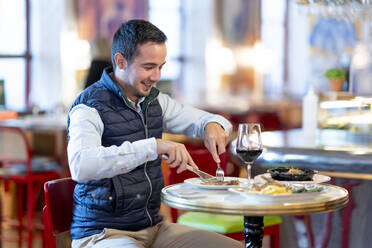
x=30, y=211
x=275, y=237
x=20, y=213
x=174, y=214
x=346, y=214
x=47, y=235
x=274, y=233
x=32, y=192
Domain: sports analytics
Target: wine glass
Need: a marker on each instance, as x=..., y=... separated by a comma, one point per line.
x=249, y=145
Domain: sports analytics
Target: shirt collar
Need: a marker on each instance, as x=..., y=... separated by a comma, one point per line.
x=138, y=105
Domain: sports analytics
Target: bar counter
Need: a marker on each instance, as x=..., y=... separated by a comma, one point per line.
x=343, y=155
x=334, y=152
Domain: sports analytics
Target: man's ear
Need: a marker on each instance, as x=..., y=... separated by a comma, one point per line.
x=120, y=61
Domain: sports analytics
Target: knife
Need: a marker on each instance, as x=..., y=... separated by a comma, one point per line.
x=203, y=175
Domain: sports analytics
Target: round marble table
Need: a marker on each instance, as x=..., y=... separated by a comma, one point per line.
x=253, y=207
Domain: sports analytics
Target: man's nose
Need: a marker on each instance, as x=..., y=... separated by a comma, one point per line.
x=155, y=76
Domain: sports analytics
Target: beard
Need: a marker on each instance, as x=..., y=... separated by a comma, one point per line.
x=140, y=95
x=145, y=92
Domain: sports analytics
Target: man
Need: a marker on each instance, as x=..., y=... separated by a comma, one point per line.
x=115, y=128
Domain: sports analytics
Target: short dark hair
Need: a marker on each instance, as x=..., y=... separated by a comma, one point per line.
x=131, y=34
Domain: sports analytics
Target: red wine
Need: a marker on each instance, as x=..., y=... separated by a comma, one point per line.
x=249, y=155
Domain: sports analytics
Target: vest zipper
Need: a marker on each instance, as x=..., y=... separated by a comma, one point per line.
x=147, y=176
x=145, y=166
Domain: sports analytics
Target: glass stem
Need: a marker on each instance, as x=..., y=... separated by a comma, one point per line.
x=249, y=166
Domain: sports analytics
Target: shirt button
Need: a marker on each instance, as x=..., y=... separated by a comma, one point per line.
x=138, y=196
x=93, y=195
x=110, y=198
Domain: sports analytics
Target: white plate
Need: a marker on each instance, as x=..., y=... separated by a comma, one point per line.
x=280, y=197
x=195, y=181
x=317, y=178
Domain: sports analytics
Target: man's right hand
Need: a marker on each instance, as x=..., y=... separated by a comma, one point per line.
x=177, y=154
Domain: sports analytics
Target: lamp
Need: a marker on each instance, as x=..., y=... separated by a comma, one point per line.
x=261, y=59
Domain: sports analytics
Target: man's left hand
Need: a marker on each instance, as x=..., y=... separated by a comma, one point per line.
x=215, y=140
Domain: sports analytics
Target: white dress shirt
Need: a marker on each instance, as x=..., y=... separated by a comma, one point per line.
x=89, y=160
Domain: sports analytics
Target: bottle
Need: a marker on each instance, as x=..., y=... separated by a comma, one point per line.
x=310, y=114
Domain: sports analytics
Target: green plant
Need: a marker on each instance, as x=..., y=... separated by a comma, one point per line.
x=334, y=73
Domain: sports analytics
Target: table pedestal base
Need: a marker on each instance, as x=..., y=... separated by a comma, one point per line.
x=253, y=231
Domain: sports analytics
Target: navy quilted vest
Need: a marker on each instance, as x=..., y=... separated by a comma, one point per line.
x=129, y=201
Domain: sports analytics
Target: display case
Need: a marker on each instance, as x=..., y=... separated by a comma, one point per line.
x=353, y=114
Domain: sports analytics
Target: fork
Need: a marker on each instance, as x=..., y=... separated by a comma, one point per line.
x=220, y=174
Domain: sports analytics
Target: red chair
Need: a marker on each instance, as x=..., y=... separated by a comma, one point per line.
x=205, y=162
x=18, y=165
x=57, y=212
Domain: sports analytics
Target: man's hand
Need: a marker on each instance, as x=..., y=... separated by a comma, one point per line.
x=177, y=154
x=215, y=140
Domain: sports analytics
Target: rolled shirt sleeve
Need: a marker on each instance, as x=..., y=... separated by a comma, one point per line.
x=89, y=160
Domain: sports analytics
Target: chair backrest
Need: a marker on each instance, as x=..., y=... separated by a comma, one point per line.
x=14, y=146
x=57, y=211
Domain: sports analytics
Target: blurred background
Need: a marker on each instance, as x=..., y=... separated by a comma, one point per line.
x=225, y=56
x=269, y=61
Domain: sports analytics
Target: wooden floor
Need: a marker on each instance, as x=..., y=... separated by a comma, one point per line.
x=37, y=242
x=10, y=233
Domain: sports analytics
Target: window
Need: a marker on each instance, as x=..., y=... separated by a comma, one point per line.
x=273, y=38
x=160, y=12
x=14, y=52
